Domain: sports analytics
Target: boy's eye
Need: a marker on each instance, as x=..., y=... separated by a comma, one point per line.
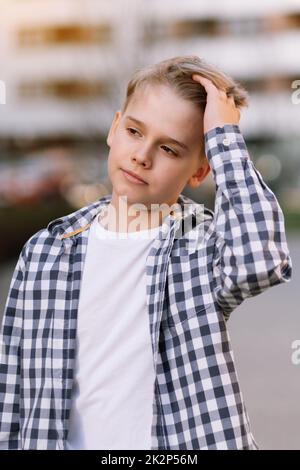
x=131, y=130
x=168, y=150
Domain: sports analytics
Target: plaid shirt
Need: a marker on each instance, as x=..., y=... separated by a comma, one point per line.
x=197, y=402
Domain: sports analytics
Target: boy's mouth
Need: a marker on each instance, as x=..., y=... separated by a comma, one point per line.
x=133, y=177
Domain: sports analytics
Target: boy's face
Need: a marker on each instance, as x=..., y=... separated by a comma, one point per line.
x=140, y=142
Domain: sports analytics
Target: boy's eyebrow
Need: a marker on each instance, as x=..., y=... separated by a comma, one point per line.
x=169, y=139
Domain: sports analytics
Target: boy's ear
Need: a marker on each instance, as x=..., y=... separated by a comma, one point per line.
x=113, y=127
x=195, y=180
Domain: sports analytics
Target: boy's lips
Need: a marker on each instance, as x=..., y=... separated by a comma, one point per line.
x=134, y=176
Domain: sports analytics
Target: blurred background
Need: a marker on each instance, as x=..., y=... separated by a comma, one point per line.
x=64, y=66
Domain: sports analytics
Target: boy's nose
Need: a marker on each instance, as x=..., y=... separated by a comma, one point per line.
x=142, y=158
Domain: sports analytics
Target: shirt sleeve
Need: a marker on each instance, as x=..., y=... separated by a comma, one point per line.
x=10, y=337
x=251, y=252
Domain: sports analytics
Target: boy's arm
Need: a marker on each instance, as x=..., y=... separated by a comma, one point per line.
x=10, y=359
x=251, y=252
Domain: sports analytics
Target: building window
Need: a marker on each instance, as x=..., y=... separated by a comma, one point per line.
x=64, y=34
x=218, y=27
x=64, y=89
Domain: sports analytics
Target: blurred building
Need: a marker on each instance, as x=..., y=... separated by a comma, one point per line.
x=66, y=64
x=62, y=62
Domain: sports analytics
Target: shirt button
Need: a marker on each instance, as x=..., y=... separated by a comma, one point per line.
x=58, y=374
x=226, y=142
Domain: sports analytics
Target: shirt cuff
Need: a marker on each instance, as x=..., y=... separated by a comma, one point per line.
x=225, y=143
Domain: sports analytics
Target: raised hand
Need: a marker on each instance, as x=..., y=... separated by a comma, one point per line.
x=220, y=108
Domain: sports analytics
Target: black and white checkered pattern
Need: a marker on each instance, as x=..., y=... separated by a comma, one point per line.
x=197, y=402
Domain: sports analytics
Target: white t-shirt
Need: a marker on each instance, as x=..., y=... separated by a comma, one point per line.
x=114, y=383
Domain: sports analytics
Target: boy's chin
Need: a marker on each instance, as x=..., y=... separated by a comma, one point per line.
x=128, y=196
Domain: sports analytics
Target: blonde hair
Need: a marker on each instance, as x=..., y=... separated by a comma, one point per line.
x=177, y=72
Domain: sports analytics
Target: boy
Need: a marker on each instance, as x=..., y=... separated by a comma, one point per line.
x=115, y=337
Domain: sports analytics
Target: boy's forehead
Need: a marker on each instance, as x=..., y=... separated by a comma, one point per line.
x=160, y=104
x=155, y=94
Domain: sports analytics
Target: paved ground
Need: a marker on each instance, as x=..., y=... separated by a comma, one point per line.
x=262, y=330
